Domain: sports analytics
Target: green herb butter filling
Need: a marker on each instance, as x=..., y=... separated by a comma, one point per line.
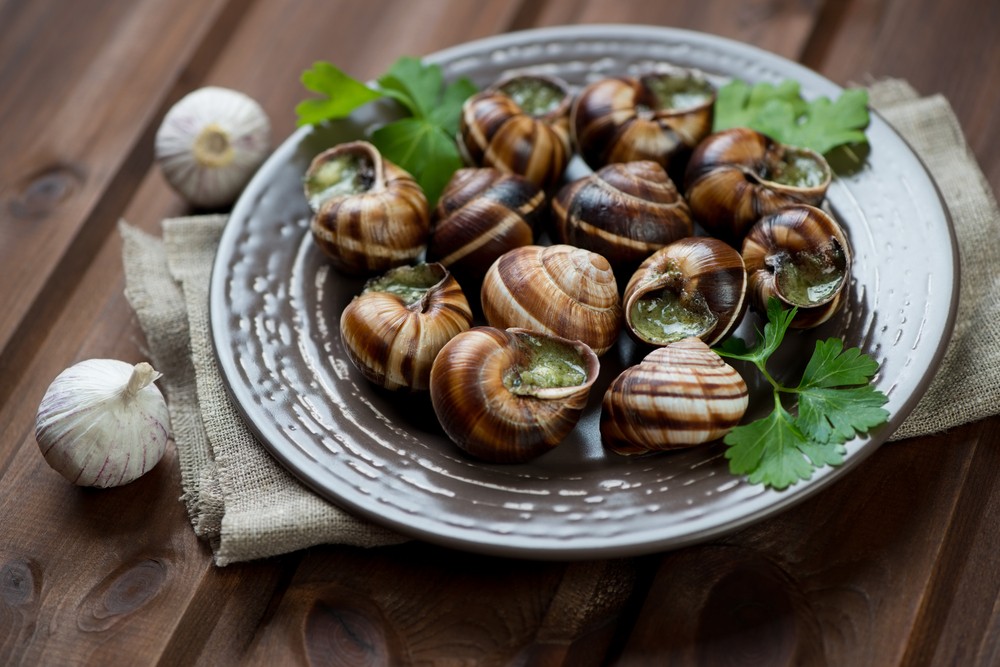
x=663, y=317
x=536, y=97
x=797, y=169
x=409, y=283
x=678, y=93
x=811, y=278
x=346, y=174
x=549, y=364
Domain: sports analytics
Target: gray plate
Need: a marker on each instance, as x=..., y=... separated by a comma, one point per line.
x=275, y=307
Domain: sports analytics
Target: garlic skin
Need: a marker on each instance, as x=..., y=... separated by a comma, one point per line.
x=210, y=143
x=103, y=422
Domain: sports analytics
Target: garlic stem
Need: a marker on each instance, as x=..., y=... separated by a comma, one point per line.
x=142, y=376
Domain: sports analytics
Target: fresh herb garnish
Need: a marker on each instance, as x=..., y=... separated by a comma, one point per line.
x=835, y=402
x=780, y=112
x=423, y=141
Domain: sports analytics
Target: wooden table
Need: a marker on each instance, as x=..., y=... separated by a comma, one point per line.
x=895, y=564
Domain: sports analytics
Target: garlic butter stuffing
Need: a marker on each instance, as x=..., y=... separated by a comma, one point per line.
x=750, y=173
x=103, y=422
x=210, y=143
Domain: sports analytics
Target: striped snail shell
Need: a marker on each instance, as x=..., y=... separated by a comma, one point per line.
x=519, y=125
x=369, y=214
x=482, y=213
x=507, y=396
x=678, y=396
x=558, y=289
x=736, y=176
x=695, y=286
x=622, y=211
x=660, y=116
x=393, y=330
x=801, y=256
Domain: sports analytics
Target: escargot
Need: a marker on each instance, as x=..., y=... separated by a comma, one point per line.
x=660, y=115
x=801, y=256
x=369, y=215
x=519, y=125
x=736, y=176
x=680, y=395
x=695, y=286
x=558, y=289
x=508, y=396
x=481, y=214
x=623, y=211
x=393, y=330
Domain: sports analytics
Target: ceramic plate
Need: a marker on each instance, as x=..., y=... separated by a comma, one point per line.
x=275, y=308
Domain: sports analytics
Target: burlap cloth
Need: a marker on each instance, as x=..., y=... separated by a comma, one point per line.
x=247, y=506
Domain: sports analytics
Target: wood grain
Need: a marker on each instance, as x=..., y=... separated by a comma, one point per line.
x=894, y=564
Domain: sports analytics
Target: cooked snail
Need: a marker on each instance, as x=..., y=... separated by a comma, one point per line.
x=482, y=213
x=801, y=256
x=519, y=125
x=622, y=211
x=510, y=396
x=369, y=214
x=659, y=116
x=561, y=290
x=736, y=176
x=678, y=396
x=693, y=287
x=393, y=330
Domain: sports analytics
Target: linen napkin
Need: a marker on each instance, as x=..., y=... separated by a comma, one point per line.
x=247, y=506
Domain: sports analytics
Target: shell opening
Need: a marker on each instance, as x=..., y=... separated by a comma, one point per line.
x=810, y=277
x=678, y=92
x=545, y=364
x=212, y=147
x=344, y=174
x=665, y=316
x=536, y=97
x=409, y=283
x=796, y=168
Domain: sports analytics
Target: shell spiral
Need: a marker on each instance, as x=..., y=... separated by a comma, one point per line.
x=483, y=416
x=559, y=289
x=384, y=226
x=678, y=396
x=623, y=211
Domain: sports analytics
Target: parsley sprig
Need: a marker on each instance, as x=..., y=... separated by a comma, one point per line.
x=423, y=141
x=835, y=402
x=781, y=112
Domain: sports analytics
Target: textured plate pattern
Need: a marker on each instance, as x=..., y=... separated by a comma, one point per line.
x=275, y=307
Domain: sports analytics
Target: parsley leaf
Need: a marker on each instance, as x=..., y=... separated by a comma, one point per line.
x=835, y=402
x=780, y=112
x=422, y=142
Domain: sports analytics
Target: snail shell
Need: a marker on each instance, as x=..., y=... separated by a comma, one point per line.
x=482, y=213
x=519, y=125
x=369, y=214
x=693, y=287
x=559, y=289
x=801, y=256
x=622, y=211
x=393, y=330
x=678, y=396
x=659, y=116
x=735, y=177
x=509, y=396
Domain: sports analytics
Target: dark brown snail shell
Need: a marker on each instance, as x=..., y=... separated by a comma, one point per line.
x=693, y=287
x=508, y=396
x=623, y=211
x=659, y=116
x=519, y=125
x=559, y=289
x=801, y=256
x=482, y=213
x=736, y=176
x=678, y=396
x=393, y=330
x=369, y=214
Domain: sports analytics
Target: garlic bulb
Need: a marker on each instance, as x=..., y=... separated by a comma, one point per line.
x=103, y=422
x=210, y=143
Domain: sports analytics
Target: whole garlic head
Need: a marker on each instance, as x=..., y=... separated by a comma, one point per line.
x=210, y=143
x=103, y=422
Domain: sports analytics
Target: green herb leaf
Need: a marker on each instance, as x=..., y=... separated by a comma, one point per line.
x=836, y=402
x=781, y=113
x=340, y=95
x=420, y=147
